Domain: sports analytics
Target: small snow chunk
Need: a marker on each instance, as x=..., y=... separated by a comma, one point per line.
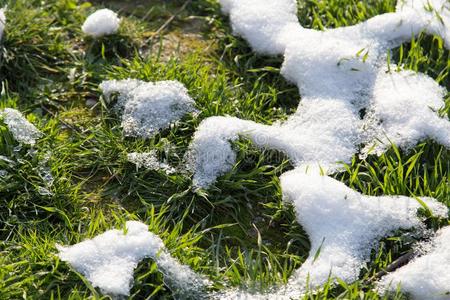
x=100, y=23
x=108, y=260
x=150, y=161
x=426, y=277
x=2, y=22
x=148, y=107
x=343, y=225
x=22, y=130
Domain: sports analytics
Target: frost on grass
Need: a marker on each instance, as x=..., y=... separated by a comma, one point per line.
x=109, y=259
x=148, y=107
x=427, y=277
x=150, y=161
x=340, y=75
x=100, y=23
x=22, y=130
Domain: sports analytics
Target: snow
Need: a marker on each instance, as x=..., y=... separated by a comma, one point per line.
x=22, y=130
x=150, y=161
x=100, y=23
x=427, y=276
x=344, y=225
x=109, y=259
x=2, y=21
x=340, y=73
x=148, y=107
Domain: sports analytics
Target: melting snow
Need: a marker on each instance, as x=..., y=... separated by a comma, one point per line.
x=427, y=277
x=148, y=107
x=339, y=72
x=2, y=22
x=100, y=23
x=22, y=130
x=109, y=259
x=149, y=160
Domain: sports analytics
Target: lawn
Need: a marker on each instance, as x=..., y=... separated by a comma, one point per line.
x=77, y=182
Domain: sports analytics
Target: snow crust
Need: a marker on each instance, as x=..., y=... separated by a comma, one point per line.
x=348, y=99
x=150, y=161
x=22, y=130
x=148, y=107
x=109, y=259
x=100, y=23
x=427, y=277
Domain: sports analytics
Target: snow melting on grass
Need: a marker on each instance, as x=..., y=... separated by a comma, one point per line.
x=109, y=259
x=150, y=161
x=339, y=73
x=343, y=225
x=148, y=107
x=22, y=130
x=2, y=21
x=427, y=277
x=100, y=23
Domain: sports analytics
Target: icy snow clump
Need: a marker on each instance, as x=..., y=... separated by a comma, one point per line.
x=148, y=107
x=100, y=23
x=339, y=76
x=427, y=277
x=109, y=259
x=22, y=130
x=150, y=161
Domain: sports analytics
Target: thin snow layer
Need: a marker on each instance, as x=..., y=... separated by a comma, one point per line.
x=339, y=73
x=108, y=260
x=427, y=277
x=100, y=23
x=148, y=107
x=2, y=22
x=343, y=225
x=22, y=130
x=150, y=161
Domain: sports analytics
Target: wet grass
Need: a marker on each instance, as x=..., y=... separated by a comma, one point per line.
x=239, y=232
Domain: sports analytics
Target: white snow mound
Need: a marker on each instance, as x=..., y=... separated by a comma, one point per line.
x=148, y=107
x=100, y=23
x=22, y=130
x=343, y=225
x=426, y=277
x=109, y=259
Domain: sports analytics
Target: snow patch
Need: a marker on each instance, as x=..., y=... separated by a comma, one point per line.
x=22, y=130
x=108, y=260
x=2, y=22
x=100, y=23
x=426, y=277
x=344, y=225
x=150, y=161
x=148, y=107
x=340, y=74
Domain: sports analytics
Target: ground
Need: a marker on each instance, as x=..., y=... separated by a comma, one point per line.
x=239, y=232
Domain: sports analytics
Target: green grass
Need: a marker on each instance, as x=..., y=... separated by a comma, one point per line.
x=239, y=233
